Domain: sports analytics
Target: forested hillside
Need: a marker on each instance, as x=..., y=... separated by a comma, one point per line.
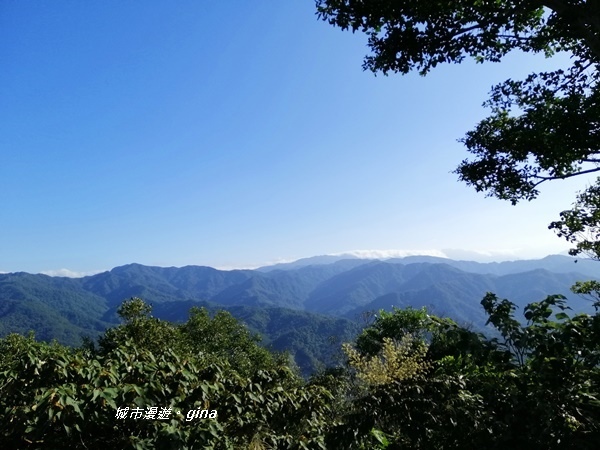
x=302, y=309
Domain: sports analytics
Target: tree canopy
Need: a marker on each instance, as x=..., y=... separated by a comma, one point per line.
x=545, y=127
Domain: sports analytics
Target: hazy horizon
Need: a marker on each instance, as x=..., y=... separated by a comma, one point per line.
x=453, y=254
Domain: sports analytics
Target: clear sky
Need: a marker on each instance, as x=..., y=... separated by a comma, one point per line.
x=233, y=134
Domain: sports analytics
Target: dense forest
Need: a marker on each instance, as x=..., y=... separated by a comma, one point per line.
x=410, y=380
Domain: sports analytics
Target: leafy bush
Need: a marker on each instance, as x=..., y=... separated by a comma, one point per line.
x=53, y=396
x=411, y=381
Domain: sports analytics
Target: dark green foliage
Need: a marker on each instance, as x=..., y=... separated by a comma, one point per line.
x=225, y=339
x=469, y=392
x=141, y=328
x=218, y=339
x=556, y=373
x=537, y=387
x=53, y=396
x=435, y=413
x=581, y=225
x=419, y=35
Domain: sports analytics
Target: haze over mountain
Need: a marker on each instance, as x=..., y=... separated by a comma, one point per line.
x=296, y=306
x=447, y=254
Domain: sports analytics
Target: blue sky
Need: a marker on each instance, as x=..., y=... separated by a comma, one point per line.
x=235, y=134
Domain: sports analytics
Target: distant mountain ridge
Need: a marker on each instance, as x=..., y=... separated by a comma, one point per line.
x=553, y=263
x=66, y=308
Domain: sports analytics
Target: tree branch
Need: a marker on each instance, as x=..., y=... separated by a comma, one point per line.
x=516, y=37
x=563, y=177
x=466, y=30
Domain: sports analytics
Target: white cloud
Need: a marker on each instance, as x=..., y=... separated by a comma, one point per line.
x=485, y=255
x=242, y=267
x=69, y=273
x=385, y=254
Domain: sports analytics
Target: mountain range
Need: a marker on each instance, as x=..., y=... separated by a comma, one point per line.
x=296, y=306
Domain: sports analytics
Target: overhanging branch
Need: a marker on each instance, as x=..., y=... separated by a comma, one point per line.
x=563, y=177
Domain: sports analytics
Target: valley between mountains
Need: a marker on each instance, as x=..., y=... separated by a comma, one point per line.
x=306, y=308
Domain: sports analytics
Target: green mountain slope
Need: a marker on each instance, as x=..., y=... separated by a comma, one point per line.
x=280, y=304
